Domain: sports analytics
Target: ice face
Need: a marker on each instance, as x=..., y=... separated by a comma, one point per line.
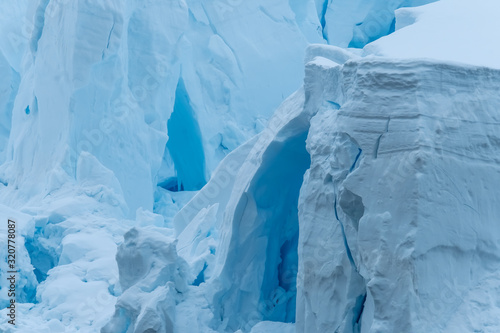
x=356, y=23
x=376, y=210
x=8, y=89
x=102, y=101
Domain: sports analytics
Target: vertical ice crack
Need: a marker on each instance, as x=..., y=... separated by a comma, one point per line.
x=356, y=160
x=347, y=248
x=377, y=143
x=358, y=312
x=353, y=209
x=322, y=19
x=110, y=34
x=346, y=244
x=214, y=30
x=38, y=24
x=109, y=39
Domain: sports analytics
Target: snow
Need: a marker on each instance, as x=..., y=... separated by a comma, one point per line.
x=26, y=280
x=152, y=280
x=162, y=181
x=448, y=30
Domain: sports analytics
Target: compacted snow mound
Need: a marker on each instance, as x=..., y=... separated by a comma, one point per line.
x=153, y=279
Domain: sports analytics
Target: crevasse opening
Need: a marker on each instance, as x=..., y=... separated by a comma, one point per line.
x=185, y=143
x=276, y=194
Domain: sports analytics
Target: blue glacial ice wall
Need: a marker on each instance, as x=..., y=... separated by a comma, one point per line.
x=185, y=144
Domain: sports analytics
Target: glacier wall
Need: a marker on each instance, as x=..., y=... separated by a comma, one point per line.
x=102, y=76
x=356, y=23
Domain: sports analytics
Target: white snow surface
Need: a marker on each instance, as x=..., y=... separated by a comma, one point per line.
x=464, y=31
x=157, y=186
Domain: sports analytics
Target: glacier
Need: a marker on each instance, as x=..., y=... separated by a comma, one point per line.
x=251, y=166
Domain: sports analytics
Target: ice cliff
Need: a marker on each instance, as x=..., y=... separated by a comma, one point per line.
x=405, y=165
x=164, y=182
